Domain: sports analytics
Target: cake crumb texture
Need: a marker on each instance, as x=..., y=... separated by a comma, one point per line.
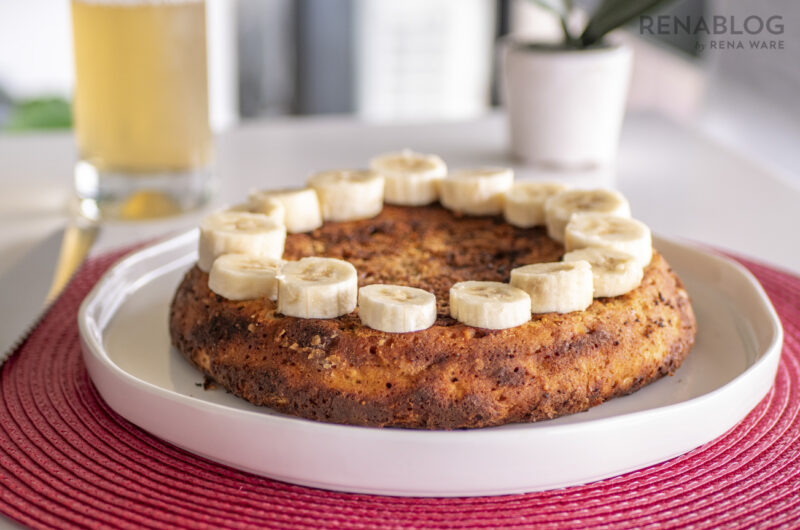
x=449, y=376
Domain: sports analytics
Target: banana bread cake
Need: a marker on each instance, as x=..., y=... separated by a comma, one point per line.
x=450, y=375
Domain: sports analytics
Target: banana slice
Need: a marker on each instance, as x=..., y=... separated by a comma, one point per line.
x=396, y=308
x=265, y=206
x=348, y=195
x=243, y=277
x=555, y=287
x=411, y=178
x=476, y=191
x=559, y=208
x=300, y=207
x=317, y=288
x=491, y=305
x=241, y=207
x=524, y=203
x=614, y=272
x=232, y=232
x=601, y=230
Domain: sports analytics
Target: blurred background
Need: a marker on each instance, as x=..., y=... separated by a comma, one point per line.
x=422, y=60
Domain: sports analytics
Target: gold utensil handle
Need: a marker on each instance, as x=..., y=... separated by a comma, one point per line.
x=79, y=236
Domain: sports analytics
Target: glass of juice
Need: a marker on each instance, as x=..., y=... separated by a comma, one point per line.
x=141, y=107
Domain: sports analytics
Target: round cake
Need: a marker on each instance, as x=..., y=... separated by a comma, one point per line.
x=448, y=376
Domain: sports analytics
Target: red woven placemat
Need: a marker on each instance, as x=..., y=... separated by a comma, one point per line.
x=67, y=460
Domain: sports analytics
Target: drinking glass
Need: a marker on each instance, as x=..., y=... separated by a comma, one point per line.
x=141, y=107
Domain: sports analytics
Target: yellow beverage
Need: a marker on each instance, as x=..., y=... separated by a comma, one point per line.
x=141, y=94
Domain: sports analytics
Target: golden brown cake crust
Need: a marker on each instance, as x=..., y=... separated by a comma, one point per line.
x=449, y=376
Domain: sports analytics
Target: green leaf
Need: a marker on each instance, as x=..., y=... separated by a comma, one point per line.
x=612, y=14
x=45, y=113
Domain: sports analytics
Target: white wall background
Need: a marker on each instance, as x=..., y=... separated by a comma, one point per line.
x=423, y=60
x=35, y=48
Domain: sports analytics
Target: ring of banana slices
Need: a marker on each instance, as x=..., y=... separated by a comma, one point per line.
x=242, y=247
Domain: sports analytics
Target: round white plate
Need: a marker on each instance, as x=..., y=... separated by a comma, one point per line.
x=123, y=325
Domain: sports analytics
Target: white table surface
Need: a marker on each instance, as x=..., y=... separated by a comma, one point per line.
x=678, y=181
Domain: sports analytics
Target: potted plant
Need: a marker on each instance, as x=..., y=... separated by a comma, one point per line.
x=566, y=100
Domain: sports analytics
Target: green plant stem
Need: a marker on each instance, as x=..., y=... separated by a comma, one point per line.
x=569, y=40
x=612, y=14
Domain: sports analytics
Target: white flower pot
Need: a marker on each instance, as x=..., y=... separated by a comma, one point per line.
x=565, y=107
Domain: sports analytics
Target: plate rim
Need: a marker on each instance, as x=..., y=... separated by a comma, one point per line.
x=97, y=358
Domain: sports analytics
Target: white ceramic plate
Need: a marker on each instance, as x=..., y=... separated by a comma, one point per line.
x=123, y=325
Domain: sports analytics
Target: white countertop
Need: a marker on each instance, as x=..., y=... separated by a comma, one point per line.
x=678, y=181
